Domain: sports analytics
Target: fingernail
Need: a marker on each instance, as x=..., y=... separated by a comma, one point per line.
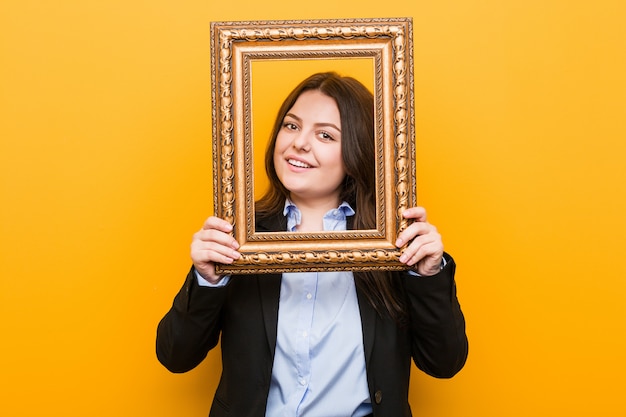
x=399, y=242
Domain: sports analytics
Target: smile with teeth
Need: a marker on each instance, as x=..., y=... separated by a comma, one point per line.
x=298, y=164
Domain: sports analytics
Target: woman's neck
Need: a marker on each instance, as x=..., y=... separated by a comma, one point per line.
x=312, y=212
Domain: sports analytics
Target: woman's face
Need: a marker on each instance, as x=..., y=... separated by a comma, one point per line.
x=307, y=156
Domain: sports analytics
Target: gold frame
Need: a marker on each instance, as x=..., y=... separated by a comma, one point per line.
x=234, y=46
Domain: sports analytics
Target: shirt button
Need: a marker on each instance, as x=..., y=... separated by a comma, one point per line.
x=302, y=381
x=309, y=296
x=304, y=334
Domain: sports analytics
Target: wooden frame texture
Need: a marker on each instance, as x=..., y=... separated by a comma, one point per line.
x=234, y=46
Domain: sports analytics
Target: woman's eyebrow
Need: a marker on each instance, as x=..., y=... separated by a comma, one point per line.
x=334, y=126
x=293, y=116
x=321, y=124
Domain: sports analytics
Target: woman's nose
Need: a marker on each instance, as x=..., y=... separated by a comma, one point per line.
x=302, y=142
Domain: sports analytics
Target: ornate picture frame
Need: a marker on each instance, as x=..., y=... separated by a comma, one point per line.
x=235, y=47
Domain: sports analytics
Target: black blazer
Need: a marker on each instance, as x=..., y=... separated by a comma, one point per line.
x=245, y=314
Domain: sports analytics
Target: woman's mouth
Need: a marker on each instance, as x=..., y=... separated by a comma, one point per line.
x=298, y=164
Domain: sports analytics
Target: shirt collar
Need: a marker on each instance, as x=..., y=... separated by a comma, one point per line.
x=294, y=217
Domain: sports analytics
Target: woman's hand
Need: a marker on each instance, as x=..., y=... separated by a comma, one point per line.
x=425, y=249
x=212, y=244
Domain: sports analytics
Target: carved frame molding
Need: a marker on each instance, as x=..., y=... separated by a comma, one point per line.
x=234, y=46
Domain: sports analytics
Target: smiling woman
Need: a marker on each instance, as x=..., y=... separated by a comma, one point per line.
x=320, y=163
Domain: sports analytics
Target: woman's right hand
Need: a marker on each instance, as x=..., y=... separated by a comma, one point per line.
x=213, y=243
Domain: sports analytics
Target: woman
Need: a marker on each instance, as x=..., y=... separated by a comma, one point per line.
x=329, y=343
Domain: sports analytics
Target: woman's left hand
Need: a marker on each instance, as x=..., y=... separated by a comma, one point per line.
x=425, y=249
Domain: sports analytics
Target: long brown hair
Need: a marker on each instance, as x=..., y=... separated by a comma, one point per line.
x=356, y=111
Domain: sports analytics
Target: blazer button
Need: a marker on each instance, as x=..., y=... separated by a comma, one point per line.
x=378, y=396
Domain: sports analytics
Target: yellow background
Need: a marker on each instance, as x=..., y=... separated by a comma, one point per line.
x=105, y=170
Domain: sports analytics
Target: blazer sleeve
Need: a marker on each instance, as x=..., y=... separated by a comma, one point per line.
x=191, y=327
x=438, y=341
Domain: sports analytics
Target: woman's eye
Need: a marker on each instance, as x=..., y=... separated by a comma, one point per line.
x=325, y=136
x=290, y=126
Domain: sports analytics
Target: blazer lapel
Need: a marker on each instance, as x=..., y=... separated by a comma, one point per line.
x=368, y=324
x=269, y=284
x=274, y=223
x=269, y=291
